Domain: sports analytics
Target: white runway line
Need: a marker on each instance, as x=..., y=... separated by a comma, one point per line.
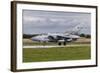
x=48, y=46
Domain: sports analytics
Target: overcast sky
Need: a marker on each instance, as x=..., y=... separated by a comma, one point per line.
x=36, y=22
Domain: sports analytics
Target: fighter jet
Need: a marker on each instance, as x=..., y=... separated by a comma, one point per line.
x=59, y=38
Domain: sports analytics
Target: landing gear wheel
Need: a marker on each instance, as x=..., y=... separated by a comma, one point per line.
x=64, y=43
x=59, y=43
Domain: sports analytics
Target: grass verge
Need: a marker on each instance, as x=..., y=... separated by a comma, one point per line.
x=56, y=54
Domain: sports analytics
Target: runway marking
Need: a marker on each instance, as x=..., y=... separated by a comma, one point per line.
x=48, y=46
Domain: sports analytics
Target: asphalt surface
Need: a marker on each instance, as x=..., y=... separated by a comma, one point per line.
x=49, y=46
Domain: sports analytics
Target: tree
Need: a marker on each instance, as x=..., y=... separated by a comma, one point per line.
x=82, y=35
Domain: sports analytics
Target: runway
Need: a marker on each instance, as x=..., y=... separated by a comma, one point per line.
x=49, y=46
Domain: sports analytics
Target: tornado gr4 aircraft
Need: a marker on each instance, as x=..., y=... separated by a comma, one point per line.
x=60, y=38
x=57, y=38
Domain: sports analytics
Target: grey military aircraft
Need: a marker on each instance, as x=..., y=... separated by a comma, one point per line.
x=60, y=38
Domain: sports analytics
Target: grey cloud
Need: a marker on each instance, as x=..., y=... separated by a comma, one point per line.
x=50, y=21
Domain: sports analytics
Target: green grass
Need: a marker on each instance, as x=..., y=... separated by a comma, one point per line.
x=56, y=54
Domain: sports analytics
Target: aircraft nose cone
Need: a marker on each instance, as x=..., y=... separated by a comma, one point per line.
x=34, y=38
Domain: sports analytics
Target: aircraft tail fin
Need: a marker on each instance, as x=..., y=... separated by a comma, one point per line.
x=75, y=30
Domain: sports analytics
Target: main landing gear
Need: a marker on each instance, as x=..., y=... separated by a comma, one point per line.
x=60, y=43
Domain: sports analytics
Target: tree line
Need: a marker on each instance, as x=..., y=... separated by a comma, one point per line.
x=85, y=35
